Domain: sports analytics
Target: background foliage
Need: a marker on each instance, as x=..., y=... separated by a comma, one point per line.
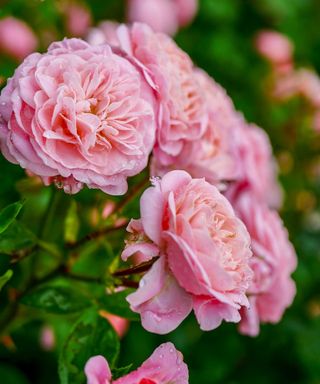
x=220, y=41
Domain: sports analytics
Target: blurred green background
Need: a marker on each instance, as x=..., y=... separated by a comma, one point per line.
x=220, y=40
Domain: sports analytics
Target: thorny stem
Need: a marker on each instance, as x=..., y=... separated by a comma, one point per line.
x=131, y=195
x=143, y=267
x=96, y=235
x=62, y=269
x=117, y=209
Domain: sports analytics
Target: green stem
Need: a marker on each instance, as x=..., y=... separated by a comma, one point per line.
x=95, y=235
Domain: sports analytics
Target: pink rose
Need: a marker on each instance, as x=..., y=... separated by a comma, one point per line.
x=275, y=47
x=78, y=115
x=272, y=290
x=161, y=15
x=105, y=32
x=211, y=156
x=164, y=366
x=257, y=169
x=183, y=114
x=78, y=19
x=203, y=254
x=16, y=38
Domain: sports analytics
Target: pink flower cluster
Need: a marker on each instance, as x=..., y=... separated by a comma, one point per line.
x=93, y=113
x=162, y=15
x=164, y=366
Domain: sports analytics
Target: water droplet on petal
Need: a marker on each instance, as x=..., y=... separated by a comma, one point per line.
x=161, y=356
x=171, y=350
x=142, y=283
x=58, y=184
x=155, y=180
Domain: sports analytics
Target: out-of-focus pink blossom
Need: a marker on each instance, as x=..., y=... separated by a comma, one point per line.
x=256, y=166
x=275, y=47
x=316, y=121
x=182, y=105
x=164, y=366
x=162, y=15
x=186, y=10
x=272, y=289
x=302, y=82
x=79, y=114
x=119, y=324
x=16, y=38
x=105, y=32
x=309, y=86
x=78, y=19
x=47, y=338
x=213, y=155
x=203, y=254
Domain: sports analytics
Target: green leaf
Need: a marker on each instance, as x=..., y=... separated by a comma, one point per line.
x=71, y=224
x=56, y=299
x=117, y=304
x=11, y=375
x=92, y=335
x=119, y=372
x=5, y=277
x=16, y=237
x=8, y=214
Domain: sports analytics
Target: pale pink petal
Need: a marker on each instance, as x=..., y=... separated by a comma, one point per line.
x=250, y=323
x=97, y=371
x=161, y=302
x=164, y=366
x=151, y=207
x=210, y=313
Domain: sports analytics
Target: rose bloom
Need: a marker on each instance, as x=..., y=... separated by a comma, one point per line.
x=78, y=115
x=213, y=155
x=182, y=105
x=16, y=38
x=272, y=290
x=275, y=47
x=164, y=366
x=257, y=168
x=203, y=250
x=105, y=32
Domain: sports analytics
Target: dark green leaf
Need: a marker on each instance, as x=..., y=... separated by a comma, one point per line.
x=5, y=277
x=11, y=375
x=118, y=305
x=92, y=335
x=119, y=372
x=56, y=299
x=16, y=237
x=8, y=214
